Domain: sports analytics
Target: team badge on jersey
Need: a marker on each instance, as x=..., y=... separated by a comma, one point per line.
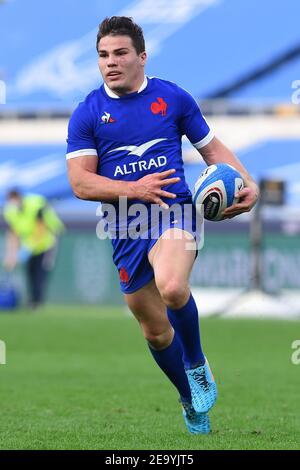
x=106, y=118
x=124, y=277
x=159, y=106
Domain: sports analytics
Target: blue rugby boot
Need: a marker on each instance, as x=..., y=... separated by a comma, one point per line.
x=197, y=423
x=203, y=388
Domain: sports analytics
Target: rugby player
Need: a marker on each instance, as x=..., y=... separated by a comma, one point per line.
x=124, y=140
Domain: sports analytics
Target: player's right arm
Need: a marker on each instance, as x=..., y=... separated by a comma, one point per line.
x=88, y=185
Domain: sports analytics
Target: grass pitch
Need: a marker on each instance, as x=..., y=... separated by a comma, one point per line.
x=82, y=378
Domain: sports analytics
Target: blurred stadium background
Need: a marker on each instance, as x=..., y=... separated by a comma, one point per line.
x=61, y=385
x=245, y=73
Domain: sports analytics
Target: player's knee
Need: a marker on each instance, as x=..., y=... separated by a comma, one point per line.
x=159, y=339
x=174, y=293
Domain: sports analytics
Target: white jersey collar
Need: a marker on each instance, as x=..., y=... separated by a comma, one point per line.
x=111, y=94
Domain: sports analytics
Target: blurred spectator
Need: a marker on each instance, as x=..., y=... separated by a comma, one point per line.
x=31, y=238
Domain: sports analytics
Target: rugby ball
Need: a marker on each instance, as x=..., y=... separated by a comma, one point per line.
x=216, y=189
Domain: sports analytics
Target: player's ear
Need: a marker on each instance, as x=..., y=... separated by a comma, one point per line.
x=143, y=57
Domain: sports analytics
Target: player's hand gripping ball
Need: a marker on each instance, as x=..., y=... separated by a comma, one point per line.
x=216, y=189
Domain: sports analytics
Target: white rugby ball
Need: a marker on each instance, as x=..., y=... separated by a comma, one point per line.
x=216, y=189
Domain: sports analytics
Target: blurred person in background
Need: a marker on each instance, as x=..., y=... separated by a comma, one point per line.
x=33, y=230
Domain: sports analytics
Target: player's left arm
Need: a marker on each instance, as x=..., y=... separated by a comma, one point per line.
x=216, y=152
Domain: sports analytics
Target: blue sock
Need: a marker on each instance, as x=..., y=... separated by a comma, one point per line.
x=185, y=322
x=170, y=362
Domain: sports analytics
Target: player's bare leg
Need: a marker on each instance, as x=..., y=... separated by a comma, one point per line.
x=172, y=258
x=150, y=311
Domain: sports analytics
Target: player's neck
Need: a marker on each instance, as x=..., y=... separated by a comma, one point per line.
x=140, y=86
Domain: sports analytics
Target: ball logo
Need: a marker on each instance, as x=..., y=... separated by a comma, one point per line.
x=212, y=203
x=159, y=107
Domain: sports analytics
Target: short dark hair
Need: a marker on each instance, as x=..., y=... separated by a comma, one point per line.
x=14, y=193
x=122, y=26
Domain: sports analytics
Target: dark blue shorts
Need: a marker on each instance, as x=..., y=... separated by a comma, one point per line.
x=131, y=255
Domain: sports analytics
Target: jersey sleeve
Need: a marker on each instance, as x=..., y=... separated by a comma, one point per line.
x=81, y=139
x=192, y=123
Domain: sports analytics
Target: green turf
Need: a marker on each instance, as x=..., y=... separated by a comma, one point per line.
x=82, y=378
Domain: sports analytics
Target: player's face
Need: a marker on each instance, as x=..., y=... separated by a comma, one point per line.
x=121, y=67
x=15, y=202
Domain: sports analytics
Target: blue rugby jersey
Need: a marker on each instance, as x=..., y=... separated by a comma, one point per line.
x=139, y=133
